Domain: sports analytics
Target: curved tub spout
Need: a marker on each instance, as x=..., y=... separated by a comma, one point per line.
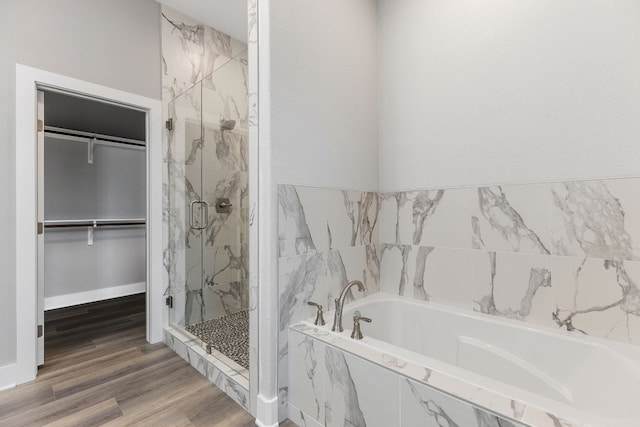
x=337, y=318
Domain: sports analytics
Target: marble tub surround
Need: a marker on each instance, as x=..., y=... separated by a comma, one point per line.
x=339, y=381
x=327, y=237
x=472, y=370
x=558, y=254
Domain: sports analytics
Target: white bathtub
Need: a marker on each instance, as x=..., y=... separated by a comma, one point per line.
x=591, y=380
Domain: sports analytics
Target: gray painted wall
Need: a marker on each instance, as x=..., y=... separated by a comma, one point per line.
x=114, y=186
x=114, y=43
x=503, y=91
x=324, y=93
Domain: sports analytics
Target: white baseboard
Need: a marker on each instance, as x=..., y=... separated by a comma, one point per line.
x=60, y=301
x=7, y=377
x=267, y=412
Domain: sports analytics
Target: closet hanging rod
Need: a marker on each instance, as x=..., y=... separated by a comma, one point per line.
x=56, y=131
x=93, y=223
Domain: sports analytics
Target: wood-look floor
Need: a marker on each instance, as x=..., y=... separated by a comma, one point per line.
x=99, y=370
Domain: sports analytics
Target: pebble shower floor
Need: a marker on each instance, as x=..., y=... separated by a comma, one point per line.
x=228, y=334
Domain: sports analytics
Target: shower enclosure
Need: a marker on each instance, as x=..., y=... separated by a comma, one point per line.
x=207, y=256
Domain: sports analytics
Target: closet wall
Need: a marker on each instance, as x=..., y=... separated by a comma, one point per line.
x=112, y=186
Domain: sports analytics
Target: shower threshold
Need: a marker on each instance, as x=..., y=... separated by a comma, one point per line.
x=220, y=370
x=227, y=334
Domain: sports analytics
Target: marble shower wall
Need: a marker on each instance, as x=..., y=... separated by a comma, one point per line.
x=205, y=77
x=564, y=255
x=327, y=237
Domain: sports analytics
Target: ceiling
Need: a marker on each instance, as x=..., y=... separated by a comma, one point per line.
x=228, y=16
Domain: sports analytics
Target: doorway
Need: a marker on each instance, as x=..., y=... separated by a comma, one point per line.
x=28, y=82
x=91, y=205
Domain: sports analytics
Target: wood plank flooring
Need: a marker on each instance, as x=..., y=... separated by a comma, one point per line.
x=99, y=370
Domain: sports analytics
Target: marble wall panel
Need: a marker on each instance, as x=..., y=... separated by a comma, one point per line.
x=353, y=396
x=598, y=297
x=191, y=51
x=425, y=406
x=426, y=218
x=426, y=273
x=513, y=285
x=556, y=254
x=596, y=219
x=511, y=218
x=321, y=219
x=307, y=372
x=327, y=237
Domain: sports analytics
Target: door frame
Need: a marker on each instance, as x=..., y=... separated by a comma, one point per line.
x=28, y=81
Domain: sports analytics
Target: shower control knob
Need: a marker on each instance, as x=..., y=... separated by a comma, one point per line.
x=223, y=205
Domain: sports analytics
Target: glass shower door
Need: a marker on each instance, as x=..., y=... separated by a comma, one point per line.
x=188, y=212
x=207, y=257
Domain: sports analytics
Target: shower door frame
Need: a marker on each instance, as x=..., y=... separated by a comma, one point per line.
x=28, y=81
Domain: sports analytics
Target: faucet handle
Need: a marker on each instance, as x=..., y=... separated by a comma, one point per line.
x=356, y=334
x=357, y=317
x=319, y=317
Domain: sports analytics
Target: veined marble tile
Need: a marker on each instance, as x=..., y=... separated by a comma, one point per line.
x=397, y=269
x=194, y=307
x=193, y=268
x=300, y=418
x=323, y=219
x=354, y=396
x=191, y=51
x=363, y=210
x=511, y=218
x=539, y=418
x=294, y=235
x=597, y=297
x=317, y=277
x=226, y=280
x=223, y=228
x=438, y=218
x=186, y=137
x=176, y=315
x=422, y=405
x=252, y=6
x=225, y=93
x=307, y=374
x=225, y=150
x=513, y=285
x=598, y=219
x=432, y=274
x=371, y=268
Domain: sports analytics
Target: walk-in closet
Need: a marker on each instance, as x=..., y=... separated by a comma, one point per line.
x=92, y=210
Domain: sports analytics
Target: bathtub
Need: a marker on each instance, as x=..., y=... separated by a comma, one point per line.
x=543, y=372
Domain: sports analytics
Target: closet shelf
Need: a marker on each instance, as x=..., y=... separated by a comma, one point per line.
x=76, y=135
x=94, y=223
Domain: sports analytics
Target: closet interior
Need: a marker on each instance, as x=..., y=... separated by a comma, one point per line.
x=93, y=182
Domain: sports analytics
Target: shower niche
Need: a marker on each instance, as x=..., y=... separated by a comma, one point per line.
x=208, y=216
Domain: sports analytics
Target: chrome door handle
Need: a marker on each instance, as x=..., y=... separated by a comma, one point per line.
x=206, y=214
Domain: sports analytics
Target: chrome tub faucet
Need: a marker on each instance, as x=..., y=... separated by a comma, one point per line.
x=337, y=318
